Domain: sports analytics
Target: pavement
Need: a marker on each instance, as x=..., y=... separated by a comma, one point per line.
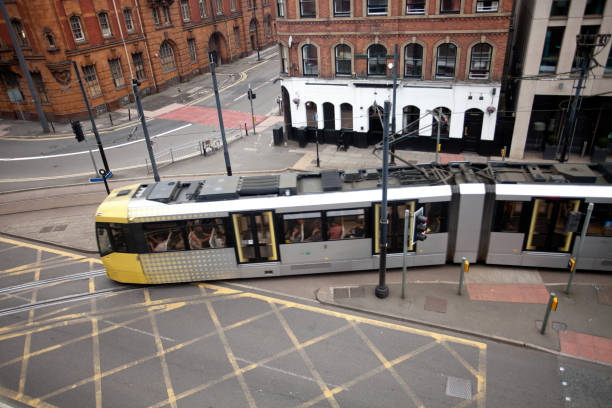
x=498, y=303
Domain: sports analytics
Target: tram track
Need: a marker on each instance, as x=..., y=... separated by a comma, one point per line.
x=65, y=299
x=48, y=282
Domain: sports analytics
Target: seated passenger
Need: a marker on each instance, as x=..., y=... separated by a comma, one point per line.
x=358, y=230
x=198, y=238
x=316, y=234
x=335, y=231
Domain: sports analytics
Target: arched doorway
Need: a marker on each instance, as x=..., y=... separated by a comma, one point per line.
x=217, y=48
x=346, y=116
x=411, y=116
x=375, y=132
x=286, y=111
x=328, y=116
x=446, y=119
x=472, y=129
x=311, y=114
x=253, y=34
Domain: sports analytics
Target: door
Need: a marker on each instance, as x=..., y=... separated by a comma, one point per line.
x=547, y=226
x=472, y=129
x=255, y=237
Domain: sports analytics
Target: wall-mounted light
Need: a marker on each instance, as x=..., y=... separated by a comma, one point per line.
x=296, y=101
x=481, y=97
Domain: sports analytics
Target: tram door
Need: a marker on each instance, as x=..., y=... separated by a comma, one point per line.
x=547, y=227
x=255, y=237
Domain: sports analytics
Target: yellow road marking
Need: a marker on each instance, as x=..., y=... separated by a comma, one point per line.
x=230, y=355
x=52, y=250
x=330, y=398
x=482, y=382
x=28, y=339
x=24, y=399
x=96, y=345
x=388, y=366
x=160, y=351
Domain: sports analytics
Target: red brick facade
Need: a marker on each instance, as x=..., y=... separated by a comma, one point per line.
x=51, y=59
x=464, y=29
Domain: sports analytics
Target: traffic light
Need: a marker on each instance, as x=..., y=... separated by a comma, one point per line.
x=420, y=227
x=78, y=130
x=251, y=95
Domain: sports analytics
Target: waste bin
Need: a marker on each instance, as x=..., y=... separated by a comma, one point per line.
x=277, y=134
x=301, y=136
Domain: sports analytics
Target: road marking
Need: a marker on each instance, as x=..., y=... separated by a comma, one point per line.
x=53, y=156
x=52, y=250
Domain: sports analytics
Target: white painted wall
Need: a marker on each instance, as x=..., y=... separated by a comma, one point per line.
x=426, y=95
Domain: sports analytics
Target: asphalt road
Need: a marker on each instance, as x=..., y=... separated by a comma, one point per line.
x=88, y=341
x=37, y=163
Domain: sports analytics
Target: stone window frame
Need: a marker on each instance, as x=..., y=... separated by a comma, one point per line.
x=49, y=37
x=333, y=58
x=434, y=59
x=193, y=53
x=482, y=40
x=184, y=6
x=71, y=20
x=368, y=60
x=367, y=14
x=301, y=59
x=20, y=32
x=92, y=83
x=167, y=60
x=402, y=58
x=116, y=75
x=104, y=14
x=128, y=12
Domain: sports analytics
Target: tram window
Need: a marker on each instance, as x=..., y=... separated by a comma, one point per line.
x=437, y=217
x=104, y=242
x=508, y=216
x=162, y=237
x=346, y=224
x=118, y=237
x=600, y=224
x=302, y=227
x=206, y=233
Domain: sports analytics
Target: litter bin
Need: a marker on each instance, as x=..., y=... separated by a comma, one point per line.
x=277, y=134
x=301, y=136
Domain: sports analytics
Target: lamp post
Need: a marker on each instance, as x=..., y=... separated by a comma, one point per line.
x=382, y=290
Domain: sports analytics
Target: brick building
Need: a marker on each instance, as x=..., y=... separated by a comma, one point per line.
x=159, y=42
x=335, y=57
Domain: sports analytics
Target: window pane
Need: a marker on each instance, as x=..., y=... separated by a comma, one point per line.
x=346, y=224
x=377, y=60
x=594, y=7
x=164, y=236
x=303, y=227
x=104, y=243
x=559, y=8
x=600, y=224
x=552, y=48
x=118, y=237
x=309, y=57
x=481, y=61
x=342, y=8
x=486, y=6
x=343, y=60
x=116, y=72
x=450, y=6
x=377, y=7
x=445, y=67
x=413, y=61
x=508, y=216
x=104, y=24
x=75, y=24
x=308, y=8
x=207, y=233
x=129, y=23
x=415, y=6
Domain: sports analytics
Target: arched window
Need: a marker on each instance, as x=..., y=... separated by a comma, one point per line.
x=446, y=118
x=346, y=116
x=166, y=55
x=377, y=60
x=480, y=66
x=309, y=60
x=445, y=62
x=77, y=30
x=311, y=114
x=105, y=24
x=343, y=59
x=129, y=21
x=413, y=61
x=20, y=33
x=411, y=120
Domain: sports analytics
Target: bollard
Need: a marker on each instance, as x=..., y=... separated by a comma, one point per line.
x=552, y=305
x=246, y=130
x=52, y=127
x=503, y=153
x=464, y=268
x=111, y=119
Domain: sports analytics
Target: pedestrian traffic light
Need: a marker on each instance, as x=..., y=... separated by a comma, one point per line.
x=420, y=228
x=78, y=130
x=251, y=95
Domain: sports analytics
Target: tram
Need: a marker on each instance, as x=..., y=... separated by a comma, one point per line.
x=289, y=224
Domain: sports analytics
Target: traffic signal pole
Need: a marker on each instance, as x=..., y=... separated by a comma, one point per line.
x=251, y=96
x=228, y=167
x=94, y=129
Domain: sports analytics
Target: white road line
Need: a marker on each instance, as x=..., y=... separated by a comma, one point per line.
x=52, y=156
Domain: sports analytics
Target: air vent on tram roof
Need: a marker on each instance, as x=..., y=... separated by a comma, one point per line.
x=371, y=174
x=164, y=192
x=258, y=185
x=287, y=184
x=576, y=173
x=330, y=180
x=218, y=188
x=352, y=175
x=606, y=170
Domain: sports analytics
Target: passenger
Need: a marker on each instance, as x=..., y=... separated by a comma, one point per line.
x=161, y=243
x=296, y=234
x=198, y=238
x=335, y=231
x=220, y=240
x=176, y=242
x=358, y=231
x=316, y=234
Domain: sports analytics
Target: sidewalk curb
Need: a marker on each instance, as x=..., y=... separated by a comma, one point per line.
x=499, y=339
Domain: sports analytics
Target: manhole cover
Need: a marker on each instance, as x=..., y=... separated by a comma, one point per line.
x=60, y=227
x=459, y=387
x=45, y=229
x=435, y=304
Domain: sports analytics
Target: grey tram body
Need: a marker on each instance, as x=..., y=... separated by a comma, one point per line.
x=471, y=202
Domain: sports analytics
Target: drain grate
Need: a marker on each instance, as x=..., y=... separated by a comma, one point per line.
x=61, y=227
x=45, y=229
x=459, y=387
